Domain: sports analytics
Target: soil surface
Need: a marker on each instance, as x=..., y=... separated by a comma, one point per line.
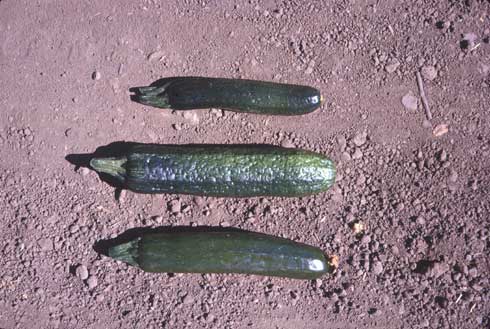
x=409, y=213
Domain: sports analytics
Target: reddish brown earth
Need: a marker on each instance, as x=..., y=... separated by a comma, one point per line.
x=422, y=259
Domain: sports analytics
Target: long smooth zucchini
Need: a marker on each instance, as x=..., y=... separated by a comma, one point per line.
x=184, y=93
x=220, y=170
x=223, y=252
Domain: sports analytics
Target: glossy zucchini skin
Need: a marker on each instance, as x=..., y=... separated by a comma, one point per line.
x=184, y=93
x=220, y=170
x=223, y=252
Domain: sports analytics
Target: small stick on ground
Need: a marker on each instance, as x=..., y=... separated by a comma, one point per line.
x=428, y=114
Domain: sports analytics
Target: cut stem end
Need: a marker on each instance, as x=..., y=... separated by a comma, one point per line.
x=111, y=166
x=126, y=252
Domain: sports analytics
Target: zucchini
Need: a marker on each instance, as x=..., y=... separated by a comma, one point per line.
x=220, y=170
x=185, y=93
x=223, y=252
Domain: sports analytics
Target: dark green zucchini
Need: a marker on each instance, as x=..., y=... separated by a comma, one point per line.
x=223, y=252
x=184, y=93
x=220, y=170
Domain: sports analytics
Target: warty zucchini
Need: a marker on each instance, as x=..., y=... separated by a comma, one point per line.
x=220, y=170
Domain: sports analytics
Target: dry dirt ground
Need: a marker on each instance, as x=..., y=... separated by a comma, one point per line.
x=419, y=190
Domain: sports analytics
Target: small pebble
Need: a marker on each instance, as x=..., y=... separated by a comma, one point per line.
x=217, y=112
x=74, y=228
x=377, y=268
x=188, y=299
x=92, y=282
x=192, y=117
x=84, y=171
x=420, y=220
x=46, y=244
x=287, y=143
x=410, y=102
x=199, y=201
x=440, y=130
x=96, y=75
x=158, y=219
x=392, y=66
x=155, y=55
x=360, y=139
x=365, y=240
x=357, y=154
x=361, y=179
x=345, y=157
x=442, y=156
x=81, y=272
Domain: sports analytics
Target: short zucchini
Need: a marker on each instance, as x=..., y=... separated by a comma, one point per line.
x=223, y=252
x=220, y=170
x=184, y=93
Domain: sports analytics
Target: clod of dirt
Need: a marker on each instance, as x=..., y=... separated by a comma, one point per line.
x=468, y=41
x=438, y=269
x=377, y=267
x=175, y=206
x=429, y=72
x=431, y=268
x=441, y=301
x=453, y=176
x=392, y=66
x=410, y=102
x=342, y=142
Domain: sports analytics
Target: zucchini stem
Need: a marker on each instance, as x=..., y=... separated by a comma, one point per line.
x=126, y=252
x=153, y=96
x=110, y=166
